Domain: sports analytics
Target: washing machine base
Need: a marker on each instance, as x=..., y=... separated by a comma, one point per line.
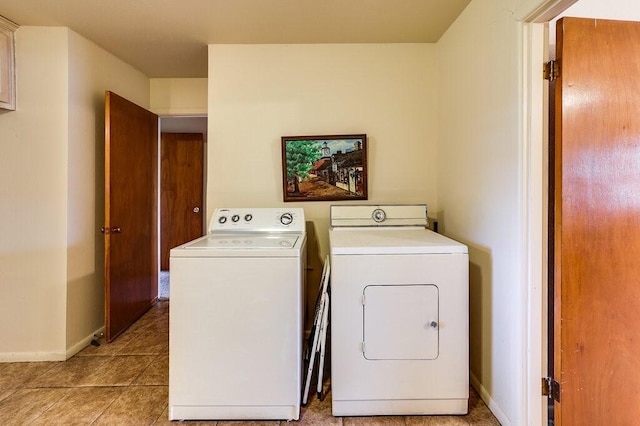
x=230, y=412
x=400, y=407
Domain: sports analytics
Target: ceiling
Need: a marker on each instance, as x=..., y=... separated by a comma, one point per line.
x=169, y=38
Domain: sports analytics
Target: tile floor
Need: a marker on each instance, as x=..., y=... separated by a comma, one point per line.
x=125, y=383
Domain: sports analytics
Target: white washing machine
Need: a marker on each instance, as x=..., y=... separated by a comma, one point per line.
x=236, y=317
x=399, y=314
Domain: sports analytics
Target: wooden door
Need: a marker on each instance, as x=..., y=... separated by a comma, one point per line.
x=131, y=226
x=597, y=222
x=181, y=191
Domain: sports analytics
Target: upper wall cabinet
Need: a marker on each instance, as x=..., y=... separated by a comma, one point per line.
x=7, y=65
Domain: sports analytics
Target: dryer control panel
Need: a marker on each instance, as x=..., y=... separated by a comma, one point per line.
x=379, y=215
x=257, y=220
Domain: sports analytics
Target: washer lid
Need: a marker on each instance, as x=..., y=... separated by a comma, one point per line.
x=391, y=240
x=242, y=245
x=244, y=241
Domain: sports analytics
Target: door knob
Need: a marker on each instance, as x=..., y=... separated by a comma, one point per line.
x=196, y=209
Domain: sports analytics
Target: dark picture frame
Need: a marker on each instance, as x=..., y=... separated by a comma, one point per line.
x=7, y=65
x=324, y=168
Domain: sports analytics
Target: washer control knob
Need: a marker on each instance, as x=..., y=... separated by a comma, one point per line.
x=235, y=218
x=248, y=217
x=286, y=218
x=222, y=219
x=379, y=215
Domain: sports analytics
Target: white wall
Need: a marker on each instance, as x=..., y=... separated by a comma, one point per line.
x=479, y=181
x=51, y=267
x=259, y=93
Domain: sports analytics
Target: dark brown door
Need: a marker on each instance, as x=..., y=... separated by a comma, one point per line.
x=131, y=225
x=181, y=191
x=597, y=222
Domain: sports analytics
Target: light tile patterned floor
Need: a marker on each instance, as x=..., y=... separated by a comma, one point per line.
x=126, y=383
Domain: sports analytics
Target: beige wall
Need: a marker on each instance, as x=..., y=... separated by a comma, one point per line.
x=33, y=188
x=92, y=70
x=51, y=285
x=259, y=93
x=178, y=96
x=480, y=175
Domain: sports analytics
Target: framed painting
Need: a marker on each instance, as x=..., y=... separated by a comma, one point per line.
x=324, y=168
x=7, y=65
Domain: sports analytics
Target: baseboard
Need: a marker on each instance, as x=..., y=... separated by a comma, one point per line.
x=491, y=403
x=32, y=356
x=84, y=343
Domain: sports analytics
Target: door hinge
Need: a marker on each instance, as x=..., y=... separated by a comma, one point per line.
x=551, y=388
x=551, y=70
x=113, y=230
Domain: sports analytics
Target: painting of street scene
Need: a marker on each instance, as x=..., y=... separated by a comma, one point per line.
x=324, y=168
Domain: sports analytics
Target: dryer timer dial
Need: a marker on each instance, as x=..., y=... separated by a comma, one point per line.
x=379, y=215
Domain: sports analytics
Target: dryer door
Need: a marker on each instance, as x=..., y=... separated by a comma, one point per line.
x=400, y=322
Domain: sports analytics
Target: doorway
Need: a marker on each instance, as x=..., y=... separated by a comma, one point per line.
x=177, y=125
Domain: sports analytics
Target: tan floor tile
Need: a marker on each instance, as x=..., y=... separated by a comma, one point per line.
x=16, y=374
x=72, y=372
x=479, y=413
x=141, y=325
x=137, y=405
x=156, y=316
x=25, y=405
x=5, y=393
x=80, y=406
x=374, y=421
x=309, y=416
x=318, y=412
x=437, y=421
x=163, y=420
x=118, y=370
x=482, y=417
x=147, y=344
x=157, y=373
x=249, y=423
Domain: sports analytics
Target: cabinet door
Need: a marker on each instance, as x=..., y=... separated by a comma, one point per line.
x=400, y=322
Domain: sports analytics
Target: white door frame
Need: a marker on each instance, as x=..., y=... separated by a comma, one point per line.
x=535, y=16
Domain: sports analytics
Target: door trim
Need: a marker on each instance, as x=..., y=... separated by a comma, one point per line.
x=535, y=97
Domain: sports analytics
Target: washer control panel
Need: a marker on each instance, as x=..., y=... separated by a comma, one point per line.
x=258, y=220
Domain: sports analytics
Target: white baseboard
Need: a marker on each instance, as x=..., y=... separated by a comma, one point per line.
x=50, y=356
x=32, y=356
x=491, y=403
x=84, y=343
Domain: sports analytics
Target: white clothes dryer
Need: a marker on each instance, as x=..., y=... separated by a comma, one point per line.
x=236, y=317
x=399, y=315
